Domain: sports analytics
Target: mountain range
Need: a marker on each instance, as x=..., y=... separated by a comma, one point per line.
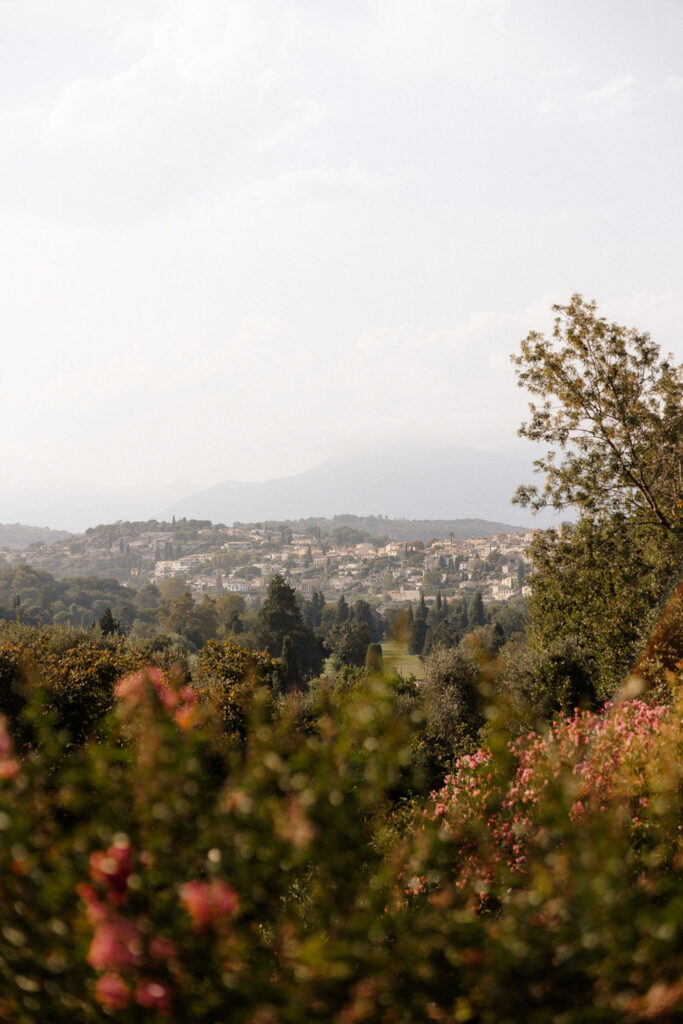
x=435, y=482
x=428, y=481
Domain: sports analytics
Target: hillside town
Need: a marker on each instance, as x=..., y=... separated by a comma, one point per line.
x=242, y=559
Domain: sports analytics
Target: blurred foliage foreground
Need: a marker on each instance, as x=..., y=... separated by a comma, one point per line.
x=218, y=853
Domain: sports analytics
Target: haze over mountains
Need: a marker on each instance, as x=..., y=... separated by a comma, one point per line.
x=76, y=505
x=418, y=482
x=435, y=482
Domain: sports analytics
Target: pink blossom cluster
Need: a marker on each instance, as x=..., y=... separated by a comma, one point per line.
x=137, y=965
x=9, y=766
x=181, y=703
x=120, y=947
x=208, y=903
x=608, y=754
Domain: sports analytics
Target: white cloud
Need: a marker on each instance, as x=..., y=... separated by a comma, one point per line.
x=674, y=82
x=617, y=96
x=203, y=92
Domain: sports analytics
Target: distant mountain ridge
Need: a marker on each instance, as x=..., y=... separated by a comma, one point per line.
x=17, y=535
x=431, y=483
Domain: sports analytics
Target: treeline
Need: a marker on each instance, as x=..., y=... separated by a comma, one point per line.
x=167, y=616
x=446, y=622
x=16, y=536
x=380, y=528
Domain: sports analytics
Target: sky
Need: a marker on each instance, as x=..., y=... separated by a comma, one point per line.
x=240, y=236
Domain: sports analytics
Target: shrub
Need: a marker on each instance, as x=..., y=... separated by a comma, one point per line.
x=151, y=873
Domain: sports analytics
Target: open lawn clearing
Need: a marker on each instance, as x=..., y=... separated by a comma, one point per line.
x=397, y=659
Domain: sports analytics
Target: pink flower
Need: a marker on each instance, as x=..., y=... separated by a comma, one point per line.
x=162, y=949
x=6, y=744
x=112, y=991
x=154, y=995
x=208, y=903
x=9, y=768
x=116, y=944
x=167, y=696
x=132, y=686
x=112, y=868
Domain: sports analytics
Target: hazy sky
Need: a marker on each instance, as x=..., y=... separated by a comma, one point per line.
x=237, y=237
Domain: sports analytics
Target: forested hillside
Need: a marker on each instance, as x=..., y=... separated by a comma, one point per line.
x=16, y=536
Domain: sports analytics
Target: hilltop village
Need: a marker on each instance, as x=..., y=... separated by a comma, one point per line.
x=332, y=559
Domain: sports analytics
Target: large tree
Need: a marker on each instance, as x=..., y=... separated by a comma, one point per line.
x=611, y=411
x=280, y=617
x=613, y=408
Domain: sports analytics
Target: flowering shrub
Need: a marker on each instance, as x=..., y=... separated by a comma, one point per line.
x=598, y=758
x=155, y=872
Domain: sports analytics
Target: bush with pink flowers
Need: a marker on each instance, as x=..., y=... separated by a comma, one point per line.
x=161, y=872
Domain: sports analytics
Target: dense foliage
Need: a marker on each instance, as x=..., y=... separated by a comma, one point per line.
x=612, y=407
x=161, y=872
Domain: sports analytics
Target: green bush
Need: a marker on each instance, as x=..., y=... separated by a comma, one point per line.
x=155, y=871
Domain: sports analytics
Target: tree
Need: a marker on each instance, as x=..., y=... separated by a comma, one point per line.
x=342, y=610
x=476, y=615
x=280, y=616
x=108, y=623
x=374, y=660
x=450, y=695
x=172, y=588
x=348, y=643
x=178, y=615
x=362, y=611
x=418, y=631
x=614, y=409
x=148, y=596
x=598, y=588
x=288, y=667
x=313, y=610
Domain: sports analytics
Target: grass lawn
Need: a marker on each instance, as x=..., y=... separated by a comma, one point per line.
x=397, y=659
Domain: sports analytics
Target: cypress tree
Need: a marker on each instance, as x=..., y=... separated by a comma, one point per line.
x=374, y=660
x=288, y=667
x=476, y=615
x=107, y=623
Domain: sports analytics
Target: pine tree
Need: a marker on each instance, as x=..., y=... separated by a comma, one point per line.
x=279, y=617
x=107, y=623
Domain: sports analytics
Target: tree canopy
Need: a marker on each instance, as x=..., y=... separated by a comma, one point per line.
x=613, y=408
